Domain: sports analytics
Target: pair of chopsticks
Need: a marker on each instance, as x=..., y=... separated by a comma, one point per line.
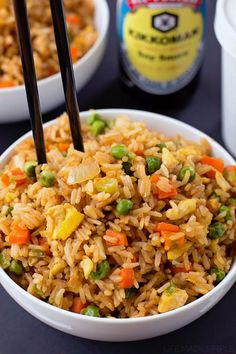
x=67, y=74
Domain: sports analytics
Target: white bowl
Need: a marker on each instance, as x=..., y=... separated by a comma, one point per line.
x=13, y=101
x=130, y=328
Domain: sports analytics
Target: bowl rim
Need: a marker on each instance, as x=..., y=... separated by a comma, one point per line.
x=103, y=6
x=229, y=279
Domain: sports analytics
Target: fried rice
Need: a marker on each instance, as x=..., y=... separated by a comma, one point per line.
x=81, y=33
x=72, y=244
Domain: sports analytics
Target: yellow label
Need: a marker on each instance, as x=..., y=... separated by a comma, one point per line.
x=162, y=44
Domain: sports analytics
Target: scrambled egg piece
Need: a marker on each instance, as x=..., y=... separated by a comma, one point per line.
x=65, y=219
x=190, y=150
x=178, y=251
x=168, y=159
x=9, y=197
x=213, y=205
x=172, y=299
x=221, y=181
x=185, y=207
x=87, y=265
x=58, y=268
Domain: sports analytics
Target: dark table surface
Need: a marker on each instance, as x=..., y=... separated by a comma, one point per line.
x=212, y=333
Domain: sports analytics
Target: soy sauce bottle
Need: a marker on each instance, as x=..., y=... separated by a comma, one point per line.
x=161, y=43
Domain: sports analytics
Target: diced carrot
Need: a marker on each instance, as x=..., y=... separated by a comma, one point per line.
x=127, y=142
x=45, y=246
x=176, y=270
x=158, y=192
x=171, y=194
x=181, y=241
x=127, y=278
x=74, y=52
x=163, y=226
x=210, y=174
x=155, y=178
x=19, y=235
x=121, y=239
x=5, y=84
x=77, y=305
x=74, y=19
x=168, y=244
x=63, y=146
x=231, y=168
x=19, y=176
x=216, y=163
x=139, y=152
x=5, y=179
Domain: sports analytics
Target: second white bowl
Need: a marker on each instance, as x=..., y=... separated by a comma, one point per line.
x=13, y=101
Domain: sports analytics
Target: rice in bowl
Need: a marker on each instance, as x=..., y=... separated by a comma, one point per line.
x=81, y=34
x=139, y=224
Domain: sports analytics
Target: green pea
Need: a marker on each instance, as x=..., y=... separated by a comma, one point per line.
x=131, y=155
x=91, y=310
x=16, y=267
x=161, y=146
x=214, y=195
x=220, y=274
x=29, y=168
x=184, y=170
x=103, y=269
x=8, y=212
x=232, y=201
x=93, y=118
x=37, y=291
x=127, y=168
x=124, y=206
x=111, y=123
x=130, y=293
x=37, y=253
x=216, y=230
x=47, y=179
x=177, y=143
x=119, y=151
x=4, y=261
x=226, y=210
x=98, y=127
x=171, y=289
x=152, y=164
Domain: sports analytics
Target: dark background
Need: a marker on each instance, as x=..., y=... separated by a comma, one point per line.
x=199, y=106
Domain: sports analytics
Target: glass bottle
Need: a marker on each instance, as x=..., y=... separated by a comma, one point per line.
x=161, y=43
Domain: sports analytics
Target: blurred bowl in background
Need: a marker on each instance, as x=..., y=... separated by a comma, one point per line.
x=13, y=100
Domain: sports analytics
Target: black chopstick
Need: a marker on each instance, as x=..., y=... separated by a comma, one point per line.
x=23, y=33
x=67, y=74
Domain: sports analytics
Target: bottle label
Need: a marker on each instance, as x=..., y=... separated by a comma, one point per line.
x=161, y=41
